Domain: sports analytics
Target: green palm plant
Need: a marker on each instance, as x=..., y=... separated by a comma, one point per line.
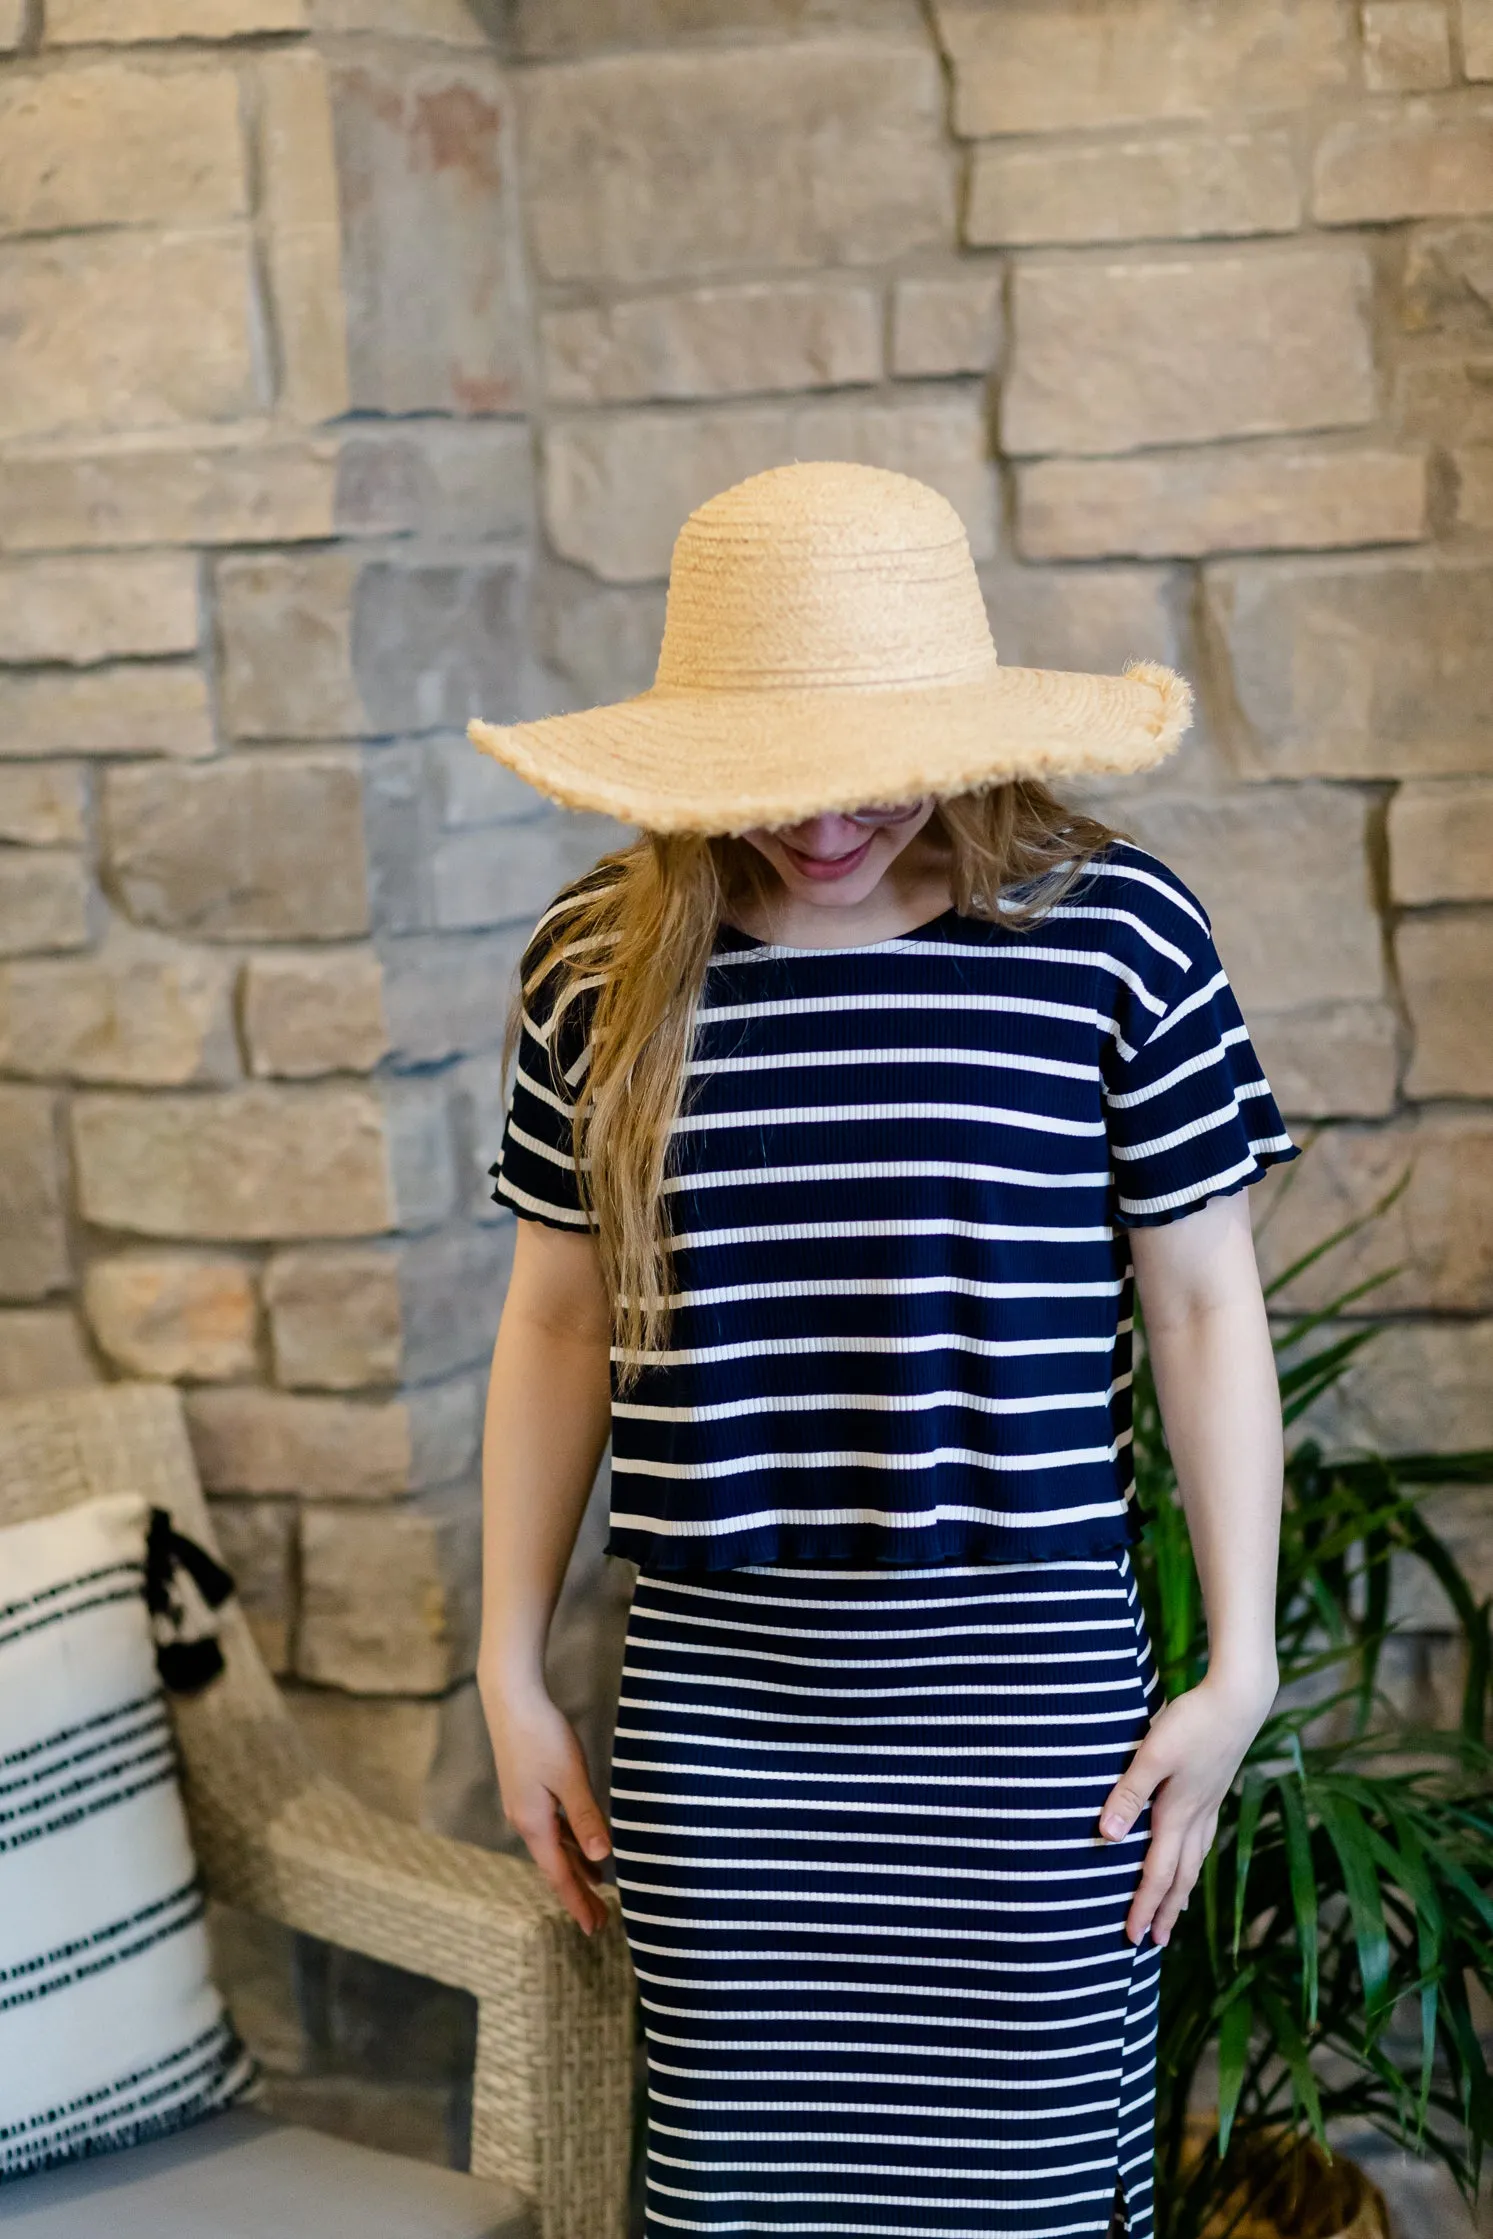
x=1325, y=1961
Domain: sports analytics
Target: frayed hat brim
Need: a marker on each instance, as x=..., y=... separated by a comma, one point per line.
x=715, y=762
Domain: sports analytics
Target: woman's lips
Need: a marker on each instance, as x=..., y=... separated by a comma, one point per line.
x=828, y=866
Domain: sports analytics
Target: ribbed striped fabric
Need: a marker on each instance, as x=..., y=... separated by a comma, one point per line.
x=898, y=1197
x=880, y=1948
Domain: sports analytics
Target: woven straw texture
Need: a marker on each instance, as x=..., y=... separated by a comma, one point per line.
x=551, y=2102
x=826, y=646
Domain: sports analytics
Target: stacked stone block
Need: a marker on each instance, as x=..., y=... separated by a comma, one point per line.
x=267, y=526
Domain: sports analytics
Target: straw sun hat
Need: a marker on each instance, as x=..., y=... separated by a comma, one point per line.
x=826, y=647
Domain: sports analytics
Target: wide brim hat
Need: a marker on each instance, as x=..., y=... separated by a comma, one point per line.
x=826, y=646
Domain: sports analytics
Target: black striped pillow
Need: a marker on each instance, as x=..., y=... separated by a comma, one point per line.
x=110, y=2028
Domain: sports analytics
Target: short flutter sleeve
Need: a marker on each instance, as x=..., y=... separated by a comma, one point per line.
x=535, y=1174
x=1190, y=1113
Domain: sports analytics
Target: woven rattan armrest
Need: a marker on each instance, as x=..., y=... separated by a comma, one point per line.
x=551, y=2090
x=552, y=2087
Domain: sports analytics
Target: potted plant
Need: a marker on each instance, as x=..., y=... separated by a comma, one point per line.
x=1325, y=1960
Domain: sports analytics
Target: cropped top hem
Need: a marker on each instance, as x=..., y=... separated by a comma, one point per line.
x=873, y=1545
x=1160, y=1218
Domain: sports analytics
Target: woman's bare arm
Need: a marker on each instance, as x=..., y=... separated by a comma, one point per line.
x=1209, y=1344
x=548, y=1414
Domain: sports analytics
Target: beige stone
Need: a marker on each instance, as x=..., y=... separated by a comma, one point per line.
x=426, y=1760
x=1065, y=65
x=1474, y=482
x=13, y=16
x=432, y=268
x=335, y=1321
x=135, y=1013
x=173, y=1315
x=1446, y=971
x=165, y=490
x=98, y=608
x=287, y=662
x=481, y=878
x=249, y=847
x=246, y=1166
x=420, y=1150
x=1329, y=1060
x=466, y=480
x=1419, y=1386
x=158, y=707
x=42, y=1349
x=1407, y=46
x=714, y=341
x=314, y=1013
x=1113, y=355
x=618, y=484
x=249, y=1440
x=1477, y=38
x=1082, y=617
x=1448, y=285
x=1164, y=186
x=947, y=322
x=451, y=1290
x=43, y=902
x=1416, y=160
x=109, y=144
x=544, y=28
x=298, y=165
x=443, y=997
x=41, y=805
x=1360, y=666
x=258, y=1540
x=1441, y=841
x=1248, y=498
x=1450, y=399
x=697, y=163
x=449, y=22
x=126, y=330
x=121, y=22
x=602, y=638
x=1307, y=847
x=33, y=1237
x=388, y=1599
x=1438, y=1233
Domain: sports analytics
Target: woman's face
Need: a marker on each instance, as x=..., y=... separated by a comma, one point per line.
x=837, y=860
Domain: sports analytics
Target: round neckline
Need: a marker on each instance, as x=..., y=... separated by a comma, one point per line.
x=738, y=934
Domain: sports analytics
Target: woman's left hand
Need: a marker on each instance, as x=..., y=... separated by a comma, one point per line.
x=1183, y=1768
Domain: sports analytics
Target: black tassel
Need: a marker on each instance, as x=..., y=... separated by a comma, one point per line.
x=185, y=1666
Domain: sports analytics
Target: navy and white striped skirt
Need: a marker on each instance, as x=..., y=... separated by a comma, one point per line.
x=880, y=1947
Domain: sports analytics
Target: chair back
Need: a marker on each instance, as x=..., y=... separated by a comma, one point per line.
x=242, y=1757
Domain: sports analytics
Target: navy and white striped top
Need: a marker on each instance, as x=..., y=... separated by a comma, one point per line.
x=898, y=1198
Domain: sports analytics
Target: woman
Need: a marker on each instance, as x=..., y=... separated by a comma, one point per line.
x=853, y=1103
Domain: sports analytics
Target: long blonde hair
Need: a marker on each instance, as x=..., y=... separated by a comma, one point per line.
x=630, y=943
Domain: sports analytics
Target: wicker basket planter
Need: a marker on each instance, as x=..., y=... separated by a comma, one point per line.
x=1309, y=2197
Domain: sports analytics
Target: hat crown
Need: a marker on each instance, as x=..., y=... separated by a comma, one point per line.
x=823, y=577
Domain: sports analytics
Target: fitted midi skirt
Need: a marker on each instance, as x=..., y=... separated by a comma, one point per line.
x=880, y=1948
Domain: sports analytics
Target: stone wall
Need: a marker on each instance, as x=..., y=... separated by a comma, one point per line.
x=358, y=361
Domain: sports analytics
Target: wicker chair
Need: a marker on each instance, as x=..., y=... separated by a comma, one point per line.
x=552, y=2086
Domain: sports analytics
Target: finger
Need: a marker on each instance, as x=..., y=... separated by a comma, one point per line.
x=540, y=1830
x=1156, y=1879
x=1132, y=1792
x=1184, y=1881
x=583, y=1815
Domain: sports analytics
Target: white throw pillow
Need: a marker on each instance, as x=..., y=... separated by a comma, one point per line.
x=110, y=2028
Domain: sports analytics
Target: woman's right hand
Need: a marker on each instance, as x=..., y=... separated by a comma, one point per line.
x=546, y=1792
